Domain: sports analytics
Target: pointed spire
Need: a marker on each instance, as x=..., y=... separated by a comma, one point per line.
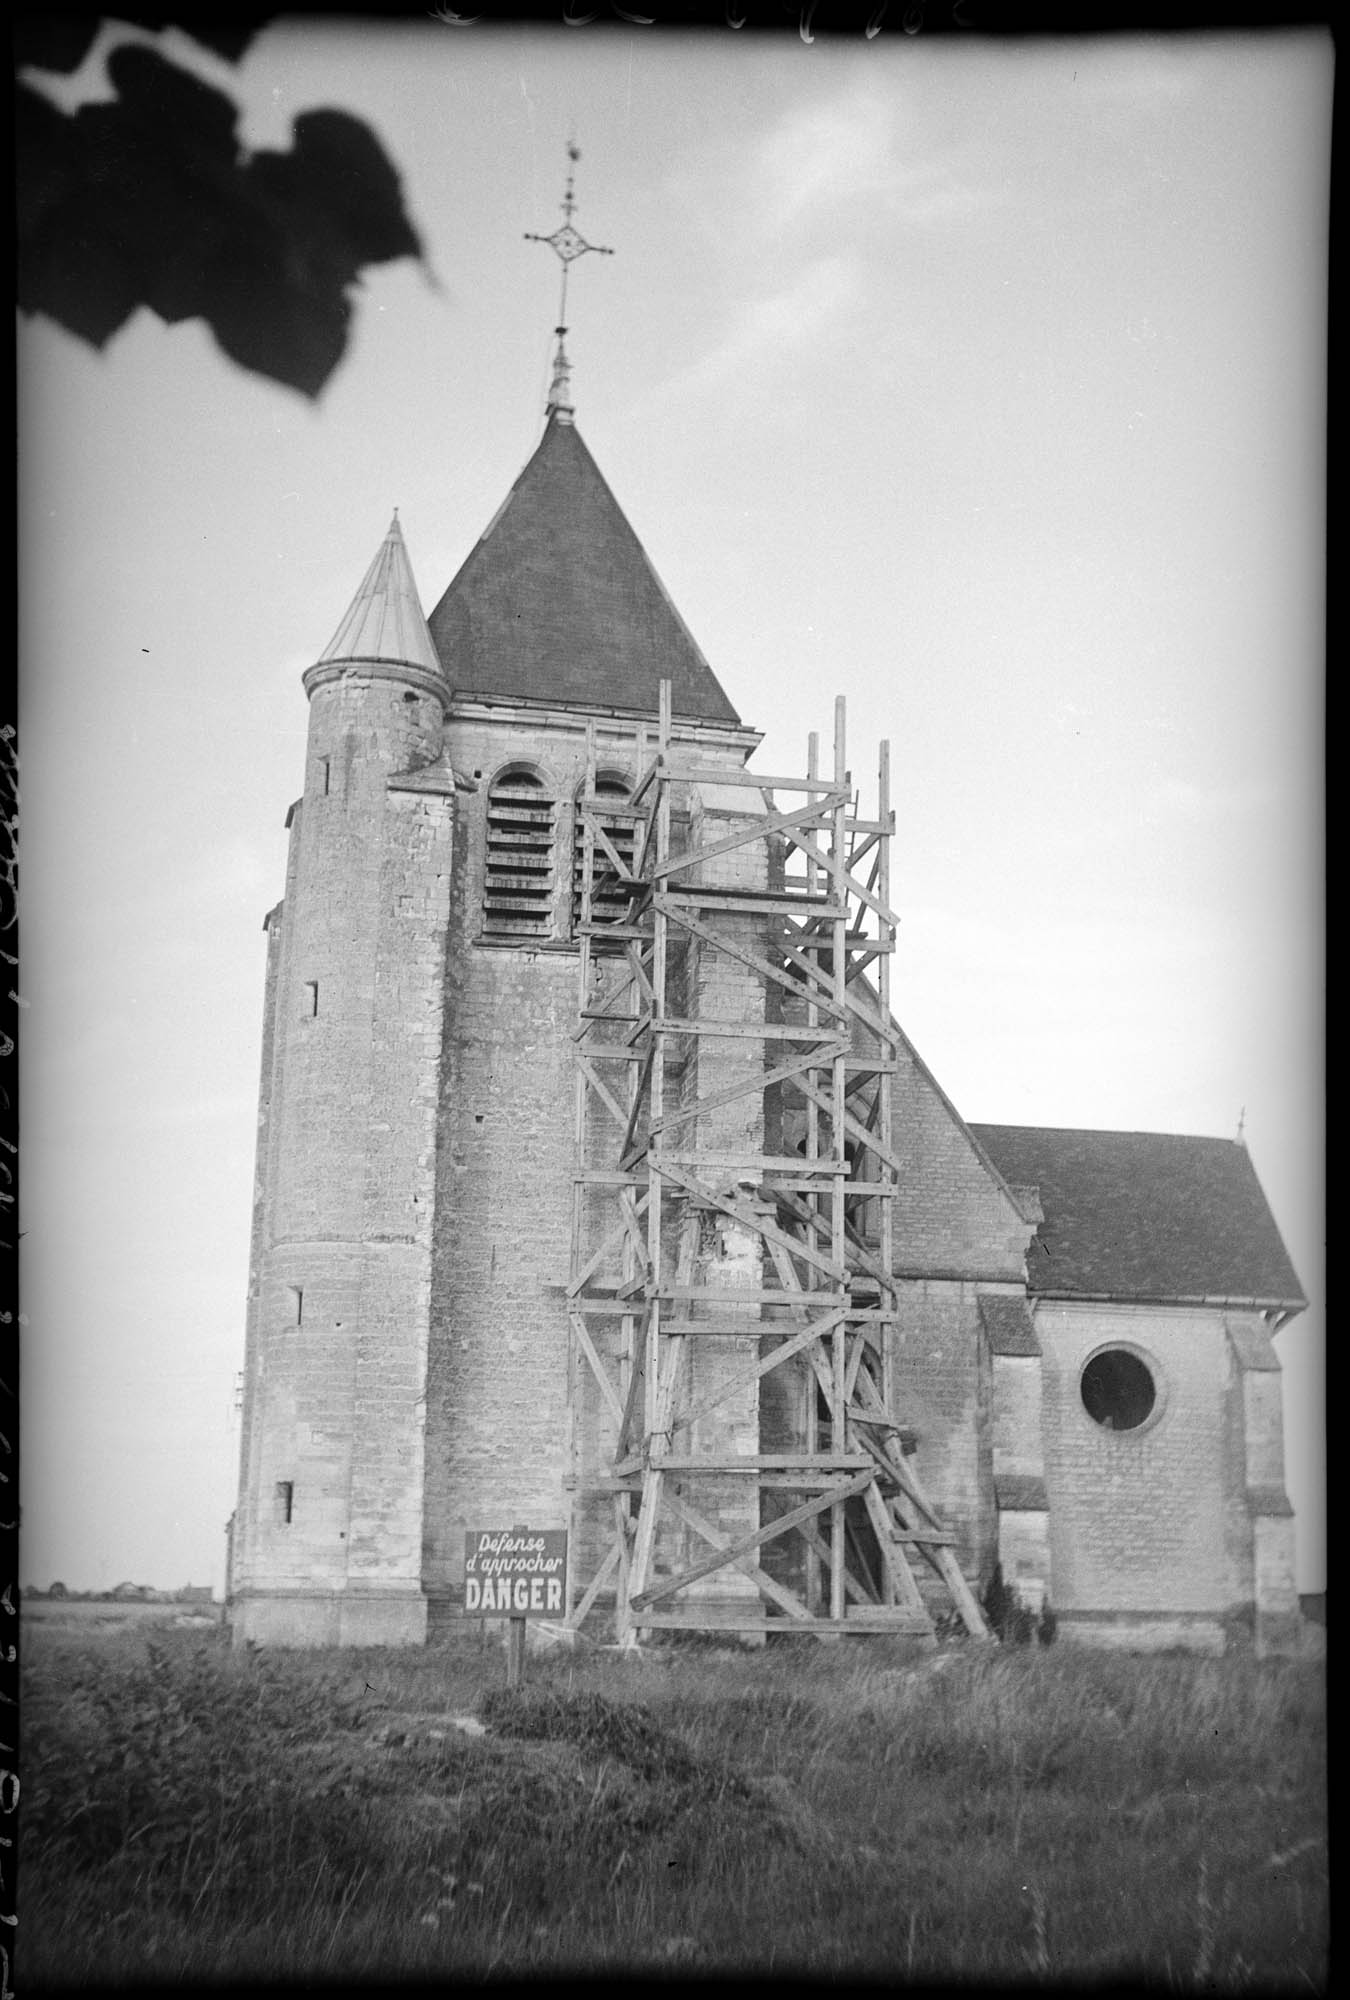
x=560, y=389
x=559, y=602
x=567, y=244
x=385, y=621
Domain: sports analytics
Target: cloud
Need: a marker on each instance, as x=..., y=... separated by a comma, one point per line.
x=823, y=154
x=853, y=158
x=766, y=331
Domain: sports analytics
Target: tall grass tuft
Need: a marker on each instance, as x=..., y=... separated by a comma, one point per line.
x=189, y=1814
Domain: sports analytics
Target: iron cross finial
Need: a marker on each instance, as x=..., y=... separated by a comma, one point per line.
x=567, y=245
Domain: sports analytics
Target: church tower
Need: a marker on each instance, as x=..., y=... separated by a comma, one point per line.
x=407, y=1371
x=326, y=1545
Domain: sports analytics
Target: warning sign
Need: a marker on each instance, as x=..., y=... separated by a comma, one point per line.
x=515, y=1572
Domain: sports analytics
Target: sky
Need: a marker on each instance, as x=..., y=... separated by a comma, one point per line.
x=982, y=383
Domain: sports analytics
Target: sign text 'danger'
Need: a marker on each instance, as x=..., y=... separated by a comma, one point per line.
x=515, y=1572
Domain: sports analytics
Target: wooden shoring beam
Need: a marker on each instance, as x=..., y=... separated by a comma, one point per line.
x=815, y=1354
x=885, y=1098
x=876, y=1618
x=746, y=1543
x=789, y=1294
x=943, y=1559
x=642, y=851
x=803, y=1181
x=852, y=1125
x=632, y=1397
x=810, y=1369
x=598, y=1369
x=911, y=1498
x=653, y=1487
x=760, y=1080
x=756, y=781
x=861, y=1255
x=589, y=811
x=858, y=1355
x=625, y=1531
x=752, y=959
x=767, y=1585
x=589, y=1016
x=610, y=930
x=662, y=1370
x=892, y=1555
x=838, y=1244
x=859, y=850
x=854, y=1548
x=820, y=1548
x=637, y=955
x=595, y=1586
x=672, y=901
x=633, y=1212
x=766, y=1164
x=770, y=823
x=601, y=1089
x=756, y=1031
x=640, y=1085
x=647, y=776
x=750, y=1218
x=854, y=887
x=787, y=1351
x=810, y=1465
x=886, y=1031
x=613, y=1239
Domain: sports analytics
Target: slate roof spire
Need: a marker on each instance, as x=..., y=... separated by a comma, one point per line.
x=559, y=602
x=385, y=622
x=567, y=245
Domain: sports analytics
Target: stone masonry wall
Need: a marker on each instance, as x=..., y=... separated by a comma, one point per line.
x=252, y=1516
x=952, y=1217
x=1143, y=1521
x=344, y=1275
x=941, y=1392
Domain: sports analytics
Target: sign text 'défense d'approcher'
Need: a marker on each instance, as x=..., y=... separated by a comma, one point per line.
x=515, y=1572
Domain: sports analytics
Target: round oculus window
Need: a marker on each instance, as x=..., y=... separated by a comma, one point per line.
x=1119, y=1392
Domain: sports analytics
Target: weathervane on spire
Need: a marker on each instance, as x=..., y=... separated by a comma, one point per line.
x=568, y=244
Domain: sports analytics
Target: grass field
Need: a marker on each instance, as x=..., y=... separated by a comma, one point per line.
x=972, y=1814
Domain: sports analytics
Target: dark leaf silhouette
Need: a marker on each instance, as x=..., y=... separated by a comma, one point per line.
x=149, y=201
x=62, y=41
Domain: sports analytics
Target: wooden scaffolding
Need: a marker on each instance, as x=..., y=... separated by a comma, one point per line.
x=774, y=894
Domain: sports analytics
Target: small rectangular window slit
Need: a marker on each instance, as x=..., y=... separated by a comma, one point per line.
x=285, y=1502
x=311, y=1001
x=324, y=776
x=298, y=1304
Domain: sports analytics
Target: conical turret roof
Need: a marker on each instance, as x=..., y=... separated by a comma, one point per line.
x=559, y=602
x=385, y=621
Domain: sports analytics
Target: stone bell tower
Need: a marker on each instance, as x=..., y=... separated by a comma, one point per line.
x=327, y=1538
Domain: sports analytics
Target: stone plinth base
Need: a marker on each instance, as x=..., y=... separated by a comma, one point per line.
x=343, y=1618
x=1144, y=1632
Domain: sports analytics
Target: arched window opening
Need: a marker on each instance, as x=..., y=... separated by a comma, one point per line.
x=518, y=877
x=609, y=893
x=1118, y=1390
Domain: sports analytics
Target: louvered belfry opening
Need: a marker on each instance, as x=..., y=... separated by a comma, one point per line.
x=615, y=840
x=518, y=877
